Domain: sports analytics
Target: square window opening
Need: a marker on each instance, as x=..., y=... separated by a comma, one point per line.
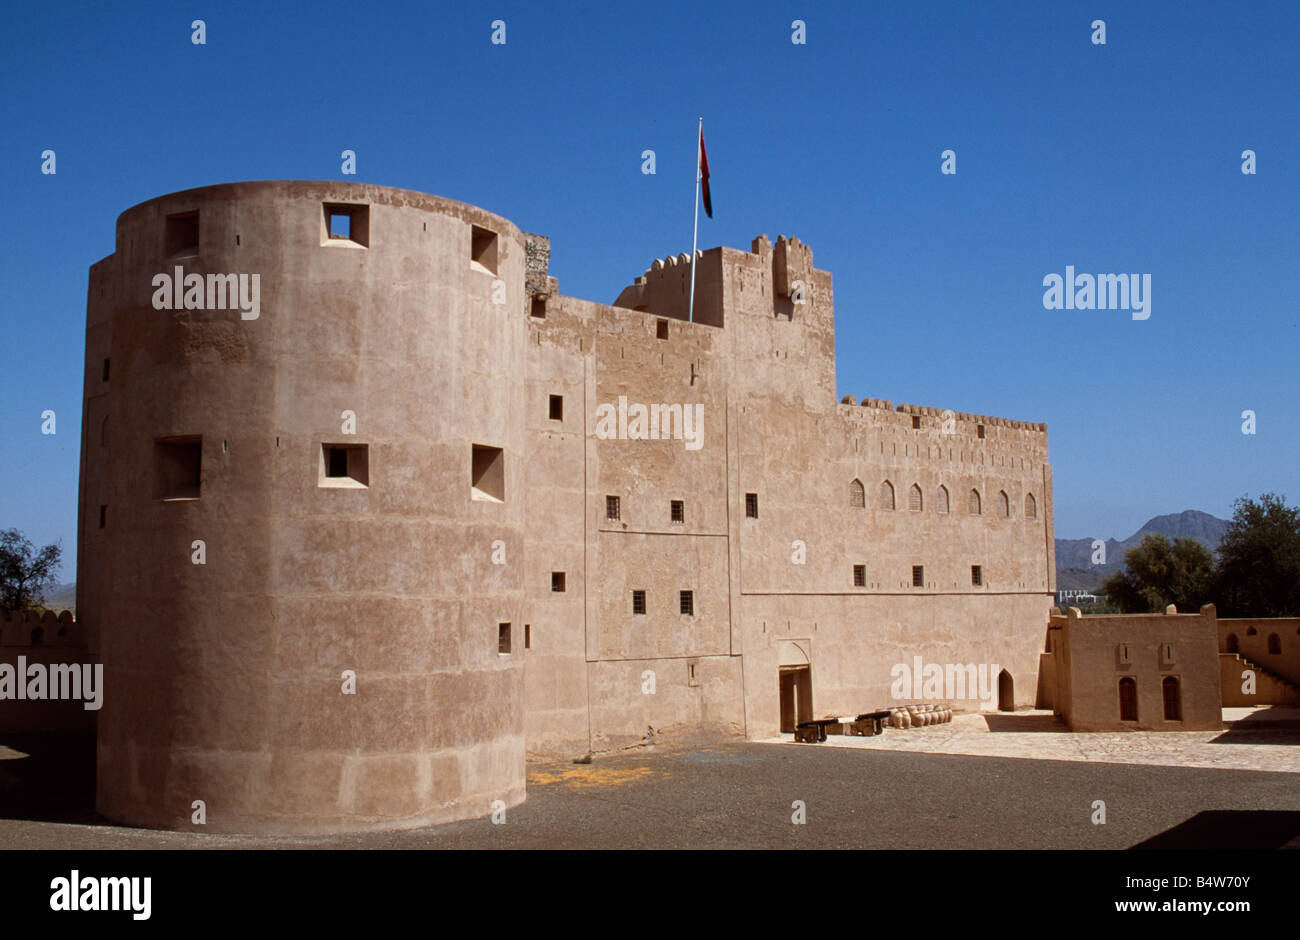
x=859, y=575
x=677, y=511
x=503, y=638
x=177, y=463
x=916, y=422
x=488, y=473
x=483, y=250
x=346, y=225
x=688, y=603
x=344, y=466
x=661, y=329
x=638, y=602
x=613, y=510
x=979, y=431
x=751, y=505
x=538, y=308
x=918, y=576
x=557, y=582
x=181, y=236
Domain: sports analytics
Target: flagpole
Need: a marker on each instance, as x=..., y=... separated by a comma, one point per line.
x=695, y=235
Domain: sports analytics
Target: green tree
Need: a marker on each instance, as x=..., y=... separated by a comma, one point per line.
x=24, y=572
x=1259, y=560
x=1158, y=573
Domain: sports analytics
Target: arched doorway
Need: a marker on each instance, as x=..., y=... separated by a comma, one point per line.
x=1230, y=646
x=1006, y=692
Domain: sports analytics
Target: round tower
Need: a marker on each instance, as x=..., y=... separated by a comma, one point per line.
x=301, y=515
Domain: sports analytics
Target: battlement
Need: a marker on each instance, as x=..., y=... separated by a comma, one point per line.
x=785, y=271
x=944, y=414
x=31, y=628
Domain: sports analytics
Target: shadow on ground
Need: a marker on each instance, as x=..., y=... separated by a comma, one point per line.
x=1229, y=830
x=48, y=777
x=1023, y=724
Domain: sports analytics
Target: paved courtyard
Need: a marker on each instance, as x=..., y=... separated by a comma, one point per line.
x=1041, y=736
x=905, y=789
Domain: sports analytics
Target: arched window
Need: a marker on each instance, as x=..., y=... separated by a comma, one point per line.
x=886, y=495
x=1031, y=506
x=1004, y=504
x=1173, y=707
x=914, y=498
x=1231, y=644
x=1274, y=644
x=857, y=495
x=1251, y=631
x=973, y=503
x=941, y=500
x=1128, y=699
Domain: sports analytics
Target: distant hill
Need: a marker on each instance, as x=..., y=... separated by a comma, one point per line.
x=1074, y=568
x=61, y=596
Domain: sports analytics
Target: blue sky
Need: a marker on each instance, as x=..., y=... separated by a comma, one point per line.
x=1116, y=158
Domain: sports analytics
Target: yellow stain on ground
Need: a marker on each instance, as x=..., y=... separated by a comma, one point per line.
x=588, y=775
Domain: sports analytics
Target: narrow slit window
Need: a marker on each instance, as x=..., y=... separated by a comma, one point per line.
x=106, y=363
x=528, y=636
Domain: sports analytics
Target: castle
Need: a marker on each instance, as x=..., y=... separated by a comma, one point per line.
x=348, y=560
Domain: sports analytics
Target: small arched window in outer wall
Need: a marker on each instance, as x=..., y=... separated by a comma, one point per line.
x=1274, y=644
x=941, y=500
x=886, y=495
x=973, y=503
x=1031, y=506
x=914, y=500
x=857, y=495
x=1004, y=505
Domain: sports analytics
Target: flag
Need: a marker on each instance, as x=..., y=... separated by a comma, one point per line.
x=704, y=176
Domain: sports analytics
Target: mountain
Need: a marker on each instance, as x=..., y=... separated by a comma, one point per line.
x=1074, y=567
x=62, y=596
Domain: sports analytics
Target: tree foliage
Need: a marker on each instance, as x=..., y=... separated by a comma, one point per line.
x=1159, y=572
x=24, y=572
x=1256, y=573
x=1259, y=560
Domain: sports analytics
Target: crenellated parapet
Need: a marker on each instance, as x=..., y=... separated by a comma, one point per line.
x=32, y=628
